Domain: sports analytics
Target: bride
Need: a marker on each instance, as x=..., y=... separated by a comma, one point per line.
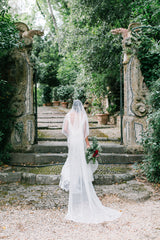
x=76, y=177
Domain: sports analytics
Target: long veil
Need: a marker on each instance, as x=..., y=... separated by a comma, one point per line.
x=84, y=205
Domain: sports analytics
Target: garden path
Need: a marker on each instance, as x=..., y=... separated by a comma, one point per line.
x=33, y=212
x=50, y=121
x=37, y=212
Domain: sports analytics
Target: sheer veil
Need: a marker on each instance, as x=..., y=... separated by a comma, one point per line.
x=84, y=205
x=77, y=115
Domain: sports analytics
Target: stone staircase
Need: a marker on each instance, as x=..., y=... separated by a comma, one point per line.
x=116, y=165
x=56, y=153
x=52, y=149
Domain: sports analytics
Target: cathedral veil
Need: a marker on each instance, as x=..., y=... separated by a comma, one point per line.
x=84, y=205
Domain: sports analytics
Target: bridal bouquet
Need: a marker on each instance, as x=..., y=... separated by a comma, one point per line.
x=92, y=153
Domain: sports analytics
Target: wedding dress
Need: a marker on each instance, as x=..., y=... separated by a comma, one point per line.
x=76, y=177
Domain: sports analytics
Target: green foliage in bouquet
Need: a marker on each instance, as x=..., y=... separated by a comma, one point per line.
x=92, y=153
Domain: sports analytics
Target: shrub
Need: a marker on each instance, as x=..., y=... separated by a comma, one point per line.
x=55, y=94
x=39, y=95
x=151, y=138
x=47, y=94
x=65, y=93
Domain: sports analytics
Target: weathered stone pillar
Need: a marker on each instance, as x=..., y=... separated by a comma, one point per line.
x=20, y=75
x=135, y=109
x=134, y=120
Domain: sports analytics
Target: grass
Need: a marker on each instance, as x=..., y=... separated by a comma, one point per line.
x=106, y=169
x=56, y=169
x=97, y=133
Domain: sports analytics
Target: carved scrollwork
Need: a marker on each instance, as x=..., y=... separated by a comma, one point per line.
x=139, y=107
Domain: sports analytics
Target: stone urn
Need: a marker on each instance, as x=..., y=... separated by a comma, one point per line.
x=56, y=103
x=102, y=118
x=64, y=104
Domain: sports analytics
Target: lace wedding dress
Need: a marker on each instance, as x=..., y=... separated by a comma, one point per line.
x=77, y=176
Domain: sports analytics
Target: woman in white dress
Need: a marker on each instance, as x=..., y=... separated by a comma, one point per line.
x=77, y=176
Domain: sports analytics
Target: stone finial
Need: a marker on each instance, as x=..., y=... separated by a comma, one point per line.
x=123, y=31
x=126, y=34
x=26, y=34
x=31, y=33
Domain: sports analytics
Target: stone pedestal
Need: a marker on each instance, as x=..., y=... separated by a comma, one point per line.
x=132, y=130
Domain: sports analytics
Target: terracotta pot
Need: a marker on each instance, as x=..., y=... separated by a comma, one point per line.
x=64, y=104
x=56, y=103
x=102, y=118
x=47, y=104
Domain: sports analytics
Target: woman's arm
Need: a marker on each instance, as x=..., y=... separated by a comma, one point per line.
x=87, y=142
x=65, y=127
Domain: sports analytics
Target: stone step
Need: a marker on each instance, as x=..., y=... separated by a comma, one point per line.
x=55, y=158
x=62, y=139
x=54, y=119
x=36, y=159
x=60, y=128
x=41, y=179
x=50, y=119
x=58, y=147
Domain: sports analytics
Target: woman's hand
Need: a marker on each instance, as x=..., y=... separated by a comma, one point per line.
x=88, y=146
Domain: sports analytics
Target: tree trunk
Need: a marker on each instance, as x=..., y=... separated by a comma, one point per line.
x=54, y=22
x=52, y=15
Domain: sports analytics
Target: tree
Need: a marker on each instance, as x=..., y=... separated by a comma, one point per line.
x=86, y=42
x=46, y=61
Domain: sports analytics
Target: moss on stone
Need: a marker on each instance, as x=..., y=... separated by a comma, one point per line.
x=105, y=169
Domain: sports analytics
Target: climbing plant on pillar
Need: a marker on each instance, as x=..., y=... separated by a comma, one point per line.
x=8, y=40
x=6, y=119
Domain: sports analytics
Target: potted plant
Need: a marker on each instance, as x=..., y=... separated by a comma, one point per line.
x=47, y=96
x=102, y=115
x=65, y=94
x=56, y=101
x=99, y=90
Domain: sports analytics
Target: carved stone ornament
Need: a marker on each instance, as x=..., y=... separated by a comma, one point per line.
x=139, y=107
x=127, y=40
x=26, y=34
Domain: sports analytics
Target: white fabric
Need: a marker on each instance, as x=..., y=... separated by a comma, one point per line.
x=77, y=176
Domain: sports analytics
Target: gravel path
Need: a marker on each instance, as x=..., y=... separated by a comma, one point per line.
x=38, y=212
x=27, y=220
